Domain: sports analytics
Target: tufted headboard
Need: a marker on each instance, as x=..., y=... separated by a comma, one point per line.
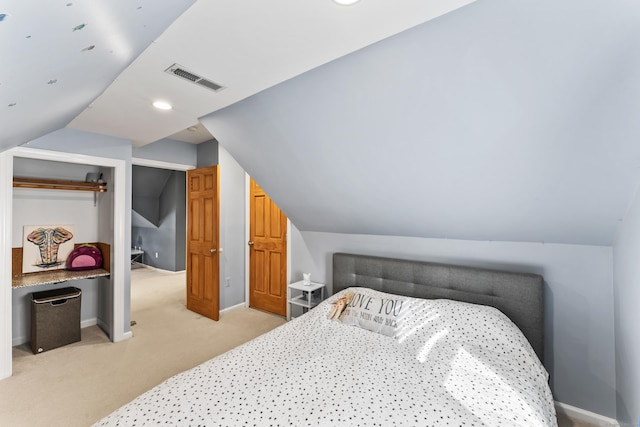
x=518, y=295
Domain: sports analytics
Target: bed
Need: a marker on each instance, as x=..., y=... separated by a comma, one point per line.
x=398, y=343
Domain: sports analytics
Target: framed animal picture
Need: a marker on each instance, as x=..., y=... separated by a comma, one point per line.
x=46, y=247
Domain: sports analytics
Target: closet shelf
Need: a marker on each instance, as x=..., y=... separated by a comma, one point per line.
x=56, y=276
x=57, y=184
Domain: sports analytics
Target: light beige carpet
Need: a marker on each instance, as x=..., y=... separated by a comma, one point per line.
x=78, y=384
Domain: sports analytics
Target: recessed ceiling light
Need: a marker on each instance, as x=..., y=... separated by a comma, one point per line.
x=162, y=105
x=345, y=2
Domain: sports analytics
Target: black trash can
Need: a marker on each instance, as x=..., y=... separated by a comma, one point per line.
x=55, y=318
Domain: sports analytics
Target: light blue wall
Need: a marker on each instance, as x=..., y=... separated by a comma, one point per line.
x=179, y=200
x=168, y=150
x=232, y=230
x=207, y=153
x=511, y=121
x=626, y=252
x=147, y=184
x=168, y=240
x=79, y=142
x=579, y=343
x=501, y=121
x=164, y=233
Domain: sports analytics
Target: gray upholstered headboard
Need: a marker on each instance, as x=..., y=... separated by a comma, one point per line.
x=518, y=295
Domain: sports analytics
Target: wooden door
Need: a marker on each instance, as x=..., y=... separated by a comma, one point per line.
x=267, y=254
x=203, y=262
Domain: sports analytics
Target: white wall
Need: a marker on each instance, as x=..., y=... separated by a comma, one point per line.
x=579, y=343
x=626, y=284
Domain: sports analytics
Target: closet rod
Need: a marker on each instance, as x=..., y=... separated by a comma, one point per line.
x=57, y=184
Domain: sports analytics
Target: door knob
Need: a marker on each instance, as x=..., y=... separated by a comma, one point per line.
x=213, y=251
x=250, y=243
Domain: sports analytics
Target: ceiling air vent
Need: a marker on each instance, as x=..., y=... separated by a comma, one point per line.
x=178, y=70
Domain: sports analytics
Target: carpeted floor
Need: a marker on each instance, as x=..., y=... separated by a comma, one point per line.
x=78, y=384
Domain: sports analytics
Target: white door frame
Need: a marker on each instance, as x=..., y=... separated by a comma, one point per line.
x=119, y=250
x=159, y=164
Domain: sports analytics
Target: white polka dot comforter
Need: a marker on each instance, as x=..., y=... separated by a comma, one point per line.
x=450, y=364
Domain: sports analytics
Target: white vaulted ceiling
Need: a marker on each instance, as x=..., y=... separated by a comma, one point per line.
x=97, y=65
x=57, y=56
x=246, y=46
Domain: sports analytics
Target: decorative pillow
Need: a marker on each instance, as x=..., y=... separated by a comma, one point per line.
x=373, y=313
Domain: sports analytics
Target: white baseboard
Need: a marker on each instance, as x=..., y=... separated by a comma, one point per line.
x=105, y=328
x=578, y=414
x=88, y=322
x=19, y=341
x=158, y=269
x=102, y=325
x=233, y=307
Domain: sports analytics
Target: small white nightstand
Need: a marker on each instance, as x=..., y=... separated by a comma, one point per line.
x=302, y=295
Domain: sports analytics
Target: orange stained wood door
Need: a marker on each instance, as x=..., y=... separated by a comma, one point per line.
x=203, y=261
x=267, y=254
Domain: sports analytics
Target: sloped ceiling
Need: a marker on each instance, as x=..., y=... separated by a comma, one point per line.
x=513, y=121
x=147, y=185
x=499, y=120
x=65, y=60
x=148, y=182
x=59, y=55
x=245, y=46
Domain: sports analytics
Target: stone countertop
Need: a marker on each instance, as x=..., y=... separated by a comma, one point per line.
x=55, y=276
